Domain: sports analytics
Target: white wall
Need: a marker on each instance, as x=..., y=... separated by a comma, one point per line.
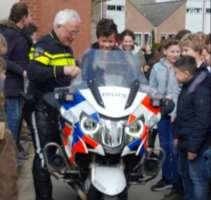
x=194, y=20
x=5, y=6
x=116, y=15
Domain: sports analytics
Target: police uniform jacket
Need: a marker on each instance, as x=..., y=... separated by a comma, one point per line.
x=48, y=57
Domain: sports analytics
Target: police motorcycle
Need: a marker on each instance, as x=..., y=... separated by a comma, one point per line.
x=106, y=120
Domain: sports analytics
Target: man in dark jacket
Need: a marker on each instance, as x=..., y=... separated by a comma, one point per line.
x=192, y=127
x=17, y=61
x=52, y=65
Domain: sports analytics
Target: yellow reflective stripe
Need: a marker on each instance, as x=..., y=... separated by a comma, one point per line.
x=60, y=55
x=53, y=56
x=42, y=59
x=46, y=58
x=31, y=56
x=32, y=49
x=62, y=62
x=32, y=52
x=56, y=62
x=48, y=54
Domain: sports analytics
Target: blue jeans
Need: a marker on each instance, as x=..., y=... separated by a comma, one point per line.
x=169, y=168
x=13, y=112
x=195, y=181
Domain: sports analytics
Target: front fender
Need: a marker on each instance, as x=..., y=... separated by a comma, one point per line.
x=109, y=180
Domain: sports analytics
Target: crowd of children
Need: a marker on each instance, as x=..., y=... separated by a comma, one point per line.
x=179, y=71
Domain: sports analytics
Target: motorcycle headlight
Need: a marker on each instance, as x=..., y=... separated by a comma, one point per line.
x=112, y=134
x=89, y=126
x=135, y=129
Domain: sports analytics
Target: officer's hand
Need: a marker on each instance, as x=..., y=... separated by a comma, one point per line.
x=72, y=71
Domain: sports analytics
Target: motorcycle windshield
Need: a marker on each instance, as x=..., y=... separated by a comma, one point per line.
x=110, y=68
x=112, y=78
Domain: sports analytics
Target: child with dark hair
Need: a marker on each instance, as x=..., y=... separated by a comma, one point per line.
x=127, y=40
x=192, y=126
x=127, y=43
x=106, y=33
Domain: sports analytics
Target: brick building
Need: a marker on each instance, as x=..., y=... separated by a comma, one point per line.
x=43, y=12
x=165, y=17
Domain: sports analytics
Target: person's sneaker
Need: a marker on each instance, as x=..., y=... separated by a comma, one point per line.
x=173, y=195
x=161, y=185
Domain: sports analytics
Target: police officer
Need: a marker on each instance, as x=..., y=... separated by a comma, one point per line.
x=52, y=65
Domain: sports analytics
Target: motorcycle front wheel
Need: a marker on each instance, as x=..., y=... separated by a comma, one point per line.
x=122, y=196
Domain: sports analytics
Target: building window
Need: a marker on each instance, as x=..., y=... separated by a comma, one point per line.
x=119, y=8
x=208, y=10
x=194, y=10
x=167, y=35
x=142, y=39
x=138, y=39
x=146, y=38
x=115, y=7
x=198, y=10
x=111, y=7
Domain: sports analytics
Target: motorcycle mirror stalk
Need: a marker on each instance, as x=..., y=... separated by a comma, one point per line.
x=64, y=94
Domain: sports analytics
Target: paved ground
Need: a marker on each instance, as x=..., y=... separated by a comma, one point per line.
x=63, y=192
